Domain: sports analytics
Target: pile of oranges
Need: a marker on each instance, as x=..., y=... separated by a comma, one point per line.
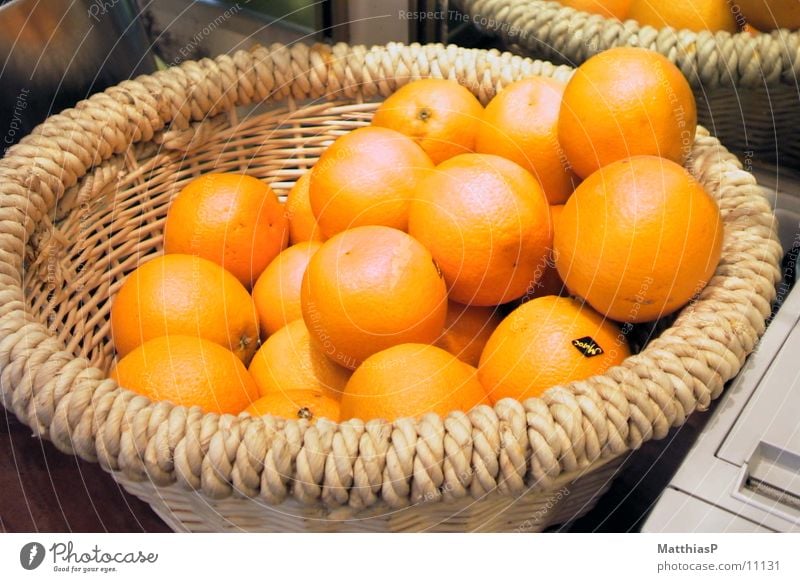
x=713, y=15
x=445, y=256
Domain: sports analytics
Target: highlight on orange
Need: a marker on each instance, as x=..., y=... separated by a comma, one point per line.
x=288, y=360
x=302, y=222
x=521, y=125
x=547, y=342
x=486, y=222
x=187, y=371
x=440, y=115
x=184, y=295
x=371, y=288
x=277, y=291
x=234, y=220
x=625, y=102
x=639, y=239
x=410, y=380
x=367, y=177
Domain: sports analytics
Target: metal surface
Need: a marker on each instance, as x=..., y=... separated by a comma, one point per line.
x=678, y=512
x=58, y=52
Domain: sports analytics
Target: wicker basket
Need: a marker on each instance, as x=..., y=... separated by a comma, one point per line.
x=746, y=86
x=82, y=202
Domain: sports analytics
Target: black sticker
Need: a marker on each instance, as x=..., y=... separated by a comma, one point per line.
x=587, y=346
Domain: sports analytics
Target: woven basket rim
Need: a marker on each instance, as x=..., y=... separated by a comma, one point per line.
x=634, y=24
x=510, y=447
x=721, y=52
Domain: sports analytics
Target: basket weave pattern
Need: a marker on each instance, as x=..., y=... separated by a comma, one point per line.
x=83, y=200
x=746, y=86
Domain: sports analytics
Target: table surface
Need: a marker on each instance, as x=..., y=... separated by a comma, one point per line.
x=45, y=490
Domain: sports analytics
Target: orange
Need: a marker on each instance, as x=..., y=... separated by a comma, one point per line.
x=466, y=331
x=184, y=295
x=486, y=222
x=440, y=115
x=608, y=8
x=187, y=371
x=549, y=283
x=302, y=224
x=555, y=214
x=638, y=239
x=366, y=177
x=289, y=361
x=625, y=102
x=277, y=291
x=771, y=14
x=296, y=405
x=547, y=342
x=371, y=288
x=409, y=380
x=521, y=125
x=697, y=15
x=231, y=219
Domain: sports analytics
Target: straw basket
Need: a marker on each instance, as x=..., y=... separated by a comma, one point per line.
x=82, y=202
x=746, y=85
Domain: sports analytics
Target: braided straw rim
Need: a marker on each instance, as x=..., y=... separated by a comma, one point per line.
x=707, y=59
x=512, y=447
